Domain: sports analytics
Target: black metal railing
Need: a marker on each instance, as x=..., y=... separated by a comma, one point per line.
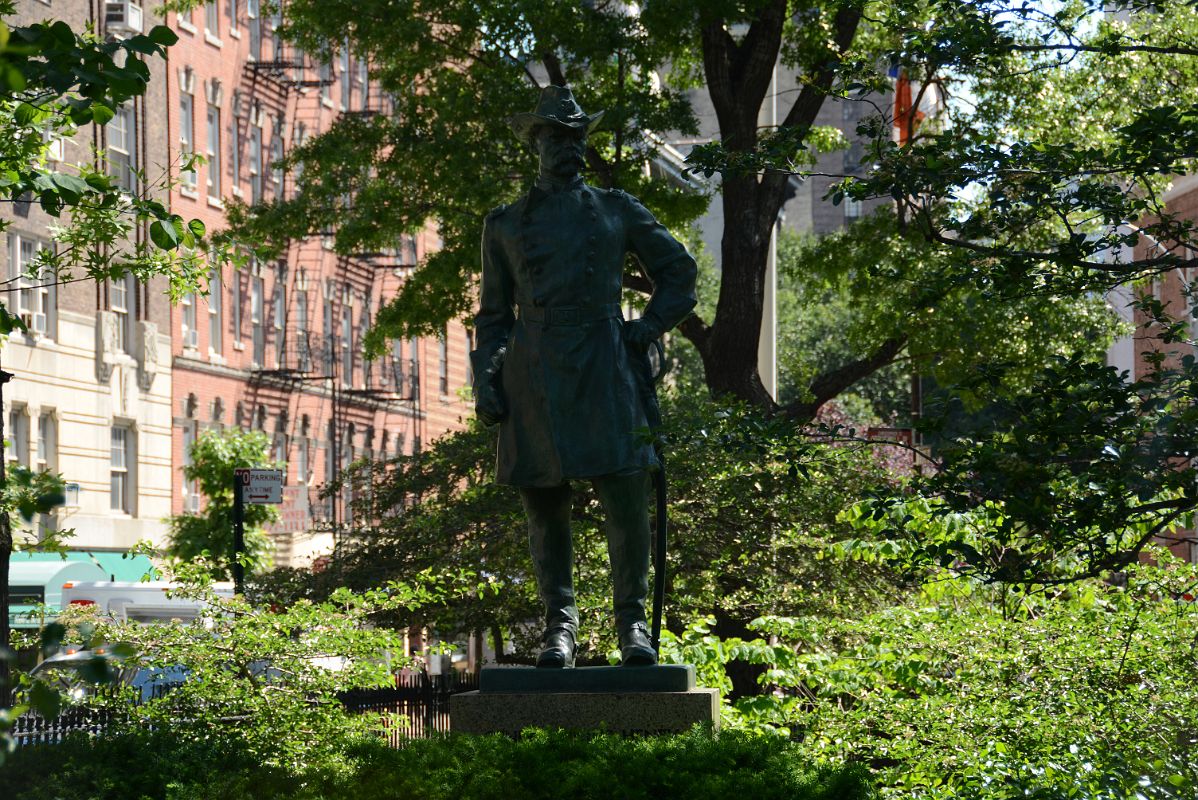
x=416, y=707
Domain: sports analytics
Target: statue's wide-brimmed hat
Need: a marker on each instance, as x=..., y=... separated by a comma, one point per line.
x=557, y=108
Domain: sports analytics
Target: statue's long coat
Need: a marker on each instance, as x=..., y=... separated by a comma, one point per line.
x=574, y=404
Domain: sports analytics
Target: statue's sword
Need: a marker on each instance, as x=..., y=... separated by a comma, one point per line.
x=648, y=385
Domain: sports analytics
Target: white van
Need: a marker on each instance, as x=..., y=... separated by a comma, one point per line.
x=131, y=601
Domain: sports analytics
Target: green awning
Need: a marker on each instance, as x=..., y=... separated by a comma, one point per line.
x=117, y=566
x=36, y=578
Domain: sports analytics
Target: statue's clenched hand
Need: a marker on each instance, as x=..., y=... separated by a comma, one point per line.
x=489, y=404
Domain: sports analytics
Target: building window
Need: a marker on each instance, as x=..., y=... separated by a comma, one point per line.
x=120, y=296
x=122, y=147
x=16, y=437
x=443, y=362
x=211, y=19
x=214, y=152
x=36, y=293
x=329, y=349
x=363, y=326
x=469, y=349
x=233, y=9
x=276, y=161
x=301, y=332
x=256, y=321
x=299, y=135
x=276, y=37
x=363, y=83
x=347, y=345
x=398, y=367
x=47, y=443
x=343, y=66
x=852, y=209
x=255, y=164
x=280, y=450
x=235, y=302
x=254, y=19
x=278, y=313
x=413, y=370
x=330, y=468
x=235, y=154
x=215, y=317
x=191, y=336
x=326, y=80
x=191, y=493
x=187, y=135
x=121, y=476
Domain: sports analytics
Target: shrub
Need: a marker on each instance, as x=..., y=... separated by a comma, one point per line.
x=697, y=765
x=988, y=692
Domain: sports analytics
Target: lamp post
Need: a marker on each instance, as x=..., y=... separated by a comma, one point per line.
x=5, y=559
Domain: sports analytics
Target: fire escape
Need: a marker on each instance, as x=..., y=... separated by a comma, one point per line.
x=306, y=363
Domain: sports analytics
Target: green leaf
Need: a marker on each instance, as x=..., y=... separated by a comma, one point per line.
x=161, y=34
x=142, y=44
x=45, y=700
x=197, y=228
x=163, y=235
x=26, y=114
x=102, y=114
x=10, y=322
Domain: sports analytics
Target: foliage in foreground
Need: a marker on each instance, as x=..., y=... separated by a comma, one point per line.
x=265, y=678
x=697, y=765
x=990, y=693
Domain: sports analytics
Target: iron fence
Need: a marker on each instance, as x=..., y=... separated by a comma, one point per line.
x=416, y=707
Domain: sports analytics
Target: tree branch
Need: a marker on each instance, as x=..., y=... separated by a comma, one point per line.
x=810, y=100
x=717, y=45
x=754, y=59
x=1090, y=48
x=832, y=383
x=554, y=67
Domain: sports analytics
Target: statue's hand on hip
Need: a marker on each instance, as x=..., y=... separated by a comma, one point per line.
x=640, y=332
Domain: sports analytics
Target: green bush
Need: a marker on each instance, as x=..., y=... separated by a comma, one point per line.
x=697, y=765
x=985, y=692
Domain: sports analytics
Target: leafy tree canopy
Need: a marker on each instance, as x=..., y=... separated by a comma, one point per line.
x=997, y=198
x=209, y=533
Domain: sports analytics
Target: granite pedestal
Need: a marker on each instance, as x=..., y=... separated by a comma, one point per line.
x=659, y=699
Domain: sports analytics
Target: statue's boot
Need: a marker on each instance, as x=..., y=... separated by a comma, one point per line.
x=636, y=649
x=625, y=500
x=557, y=649
x=548, y=512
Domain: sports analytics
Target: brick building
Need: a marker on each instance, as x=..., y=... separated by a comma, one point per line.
x=1130, y=353
x=91, y=392
x=277, y=346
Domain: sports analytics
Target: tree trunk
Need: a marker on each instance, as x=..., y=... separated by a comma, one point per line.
x=745, y=676
x=730, y=358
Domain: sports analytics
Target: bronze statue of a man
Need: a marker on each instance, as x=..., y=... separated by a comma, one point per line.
x=556, y=366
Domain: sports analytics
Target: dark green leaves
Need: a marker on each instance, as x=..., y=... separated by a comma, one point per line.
x=45, y=700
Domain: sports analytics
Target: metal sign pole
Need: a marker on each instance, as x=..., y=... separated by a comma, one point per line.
x=238, y=533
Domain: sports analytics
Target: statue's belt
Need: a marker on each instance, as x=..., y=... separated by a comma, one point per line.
x=569, y=315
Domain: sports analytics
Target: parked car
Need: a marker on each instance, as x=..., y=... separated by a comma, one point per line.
x=69, y=672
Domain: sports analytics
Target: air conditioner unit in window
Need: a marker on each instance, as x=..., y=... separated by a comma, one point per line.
x=38, y=324
x=191, y=338
x=122, y=16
